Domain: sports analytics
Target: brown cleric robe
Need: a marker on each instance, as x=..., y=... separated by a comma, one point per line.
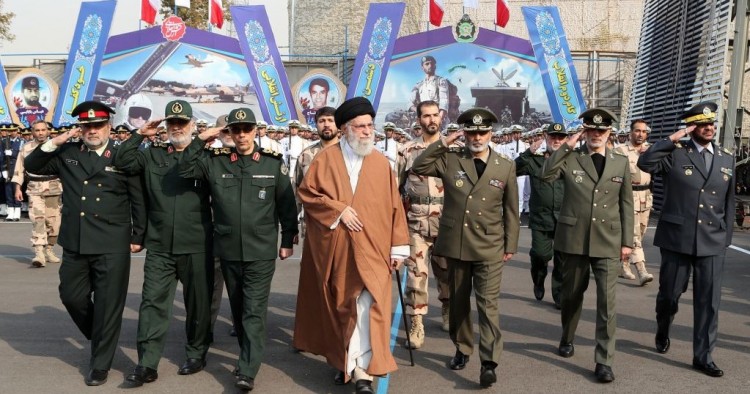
x=337, y=264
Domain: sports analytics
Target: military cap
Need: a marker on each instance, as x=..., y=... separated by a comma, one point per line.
x=516, y=128
x=379, y=134
x=389, y=126
x=556, y=128
x=26, y=131
x=416, y=125
x=428, y=58
x=261, y=124
x=49, y=125
x=399, y=131
x=452, y=127
x=294, y=123
x=201, y=122
x=64, y=127
x=241, y=115
x=221, y=121
x=352, y=108
x=272, y=128
x=30, y=83
x=597, y=118
x=180, y=109
x=314, y=130
x=282, y=129
x=9, y=127
x=304, y=127
x=477, y=119
x=92, y=112
x=537, y=131
x=701, y=113
x=122, y=129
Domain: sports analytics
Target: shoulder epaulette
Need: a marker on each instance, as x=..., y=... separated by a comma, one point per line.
x=618, y=152
x=270, y=153
x=159, y=144
x=727, y=151
x=455, y=149
x=504, y=156
x=678, y=145
x=220, y=151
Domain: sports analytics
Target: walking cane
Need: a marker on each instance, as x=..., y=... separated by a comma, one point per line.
x=403, y=315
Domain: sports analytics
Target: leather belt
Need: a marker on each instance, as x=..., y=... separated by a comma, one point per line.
x=426, y=200
x=42, y=178
x=638, y=188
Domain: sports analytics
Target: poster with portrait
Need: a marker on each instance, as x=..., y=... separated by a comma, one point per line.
x=462, y=67
x=31, y=95
x=318, y=88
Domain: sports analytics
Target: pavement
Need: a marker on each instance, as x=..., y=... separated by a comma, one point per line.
x=41, y=350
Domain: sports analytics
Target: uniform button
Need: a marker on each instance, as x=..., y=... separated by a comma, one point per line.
x=466, y=224
x=480, y=214
x=596, y=190
x=467, y=211
x=97, y=199
x=606, y=192
x=702, y=190
x=711, y=206
x=602, y=220
x=594, y=204
x=99, y=184
x=470, y=197
x=85, y=182
x=700, y=206
x=699, y=221
x=593, y=219
x=477, y=226
x=83, y=214
x=604, y=206
x=483, y=199
x=83, y=198
x=713, y=192
x=710, y=223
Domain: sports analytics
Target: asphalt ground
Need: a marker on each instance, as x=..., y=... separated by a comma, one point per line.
x=41, y=350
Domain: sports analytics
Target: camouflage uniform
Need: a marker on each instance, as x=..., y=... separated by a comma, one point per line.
x=44, y=193
x=425, y=196
x=303, y=163
x=642, y=201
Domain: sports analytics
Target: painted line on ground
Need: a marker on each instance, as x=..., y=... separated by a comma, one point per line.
x=737, y=248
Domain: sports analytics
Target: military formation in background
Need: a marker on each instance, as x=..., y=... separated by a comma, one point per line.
x=217, y=202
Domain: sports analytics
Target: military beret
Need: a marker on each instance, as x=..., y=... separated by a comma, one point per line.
x=556, y=128
x=241, y=115
x=701, y=113
x=477, y=119
x=352, y=108
x=597, y=118
x=92, y=112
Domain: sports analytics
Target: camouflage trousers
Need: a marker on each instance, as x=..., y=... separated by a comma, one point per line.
x=44, y=213
x=639, y=231
x=417, y=297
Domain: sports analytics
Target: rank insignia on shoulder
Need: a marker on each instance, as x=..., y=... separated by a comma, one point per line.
x=270, y=153
x=455, y=149
x=678, y=145
x=221, y=151
x=727, y=151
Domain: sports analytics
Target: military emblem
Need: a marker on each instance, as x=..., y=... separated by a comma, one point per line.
x=233, y=157
x=241, y=115
x=460, y=183
x=497, y=183
x=706, y=111
x=284, y=169
x=262, y=194
x=617, y=179
x=256, y=155
x=107, y=153
x=557, y=127
x=465, y=30
x=726, y=177
x=579, y=179
x=597, y=119
x=688, y=172
x=477, y=119
x=91, y=113
x=177, y=108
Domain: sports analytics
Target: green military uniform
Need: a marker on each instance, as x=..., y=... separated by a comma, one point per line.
x=544, y=203
x=478, y=226
x=178, y=240
x=103, y=213
x=595, y=222
x=250, y=195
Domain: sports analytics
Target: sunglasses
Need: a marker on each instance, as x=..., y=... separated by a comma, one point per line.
x=241, y=129
x=139, y=112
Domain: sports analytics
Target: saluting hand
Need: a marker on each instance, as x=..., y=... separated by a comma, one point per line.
x=682, y=133
x=150, y=128
x=64, y=137
x=573, y=140
x=535, y=145
x=450, y=139
x=210, y=134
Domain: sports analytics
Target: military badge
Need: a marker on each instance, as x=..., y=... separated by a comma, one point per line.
x=477, y=119
x=233, y=157
x=460, y=175
x=578, y=179
x=227, y=176
x=706, y=111
x=617, y=179
x=459, y=183
x=170, y=149
x=176, y=108
x=256, y=156
x=241, y=115
x=465, y=30
x=726, y=171
x=107, y=153
x=72, y=162
x=497, y=183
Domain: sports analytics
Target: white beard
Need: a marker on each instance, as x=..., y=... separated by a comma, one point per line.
x=360, y=147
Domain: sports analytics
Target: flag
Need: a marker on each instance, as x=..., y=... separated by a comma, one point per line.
x=148, y=10
x=503, y=13
x=217, y=13
x=436, y=12
x=182, y=3
x=471, y=3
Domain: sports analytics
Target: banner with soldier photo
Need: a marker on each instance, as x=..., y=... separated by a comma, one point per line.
x=318, y=88
x=4, y=108
x=32, y=95
x=461, y=67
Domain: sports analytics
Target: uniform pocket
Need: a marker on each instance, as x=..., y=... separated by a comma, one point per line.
x=571, y=221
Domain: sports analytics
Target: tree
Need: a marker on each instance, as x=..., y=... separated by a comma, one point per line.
x=197, y=15
x=5, y=19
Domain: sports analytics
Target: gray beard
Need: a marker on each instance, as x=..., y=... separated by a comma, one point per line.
x=361, y=148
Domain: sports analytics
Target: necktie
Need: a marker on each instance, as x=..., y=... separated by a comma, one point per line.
x=708, y=159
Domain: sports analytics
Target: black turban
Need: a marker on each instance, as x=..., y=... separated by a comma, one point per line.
x=352, y=108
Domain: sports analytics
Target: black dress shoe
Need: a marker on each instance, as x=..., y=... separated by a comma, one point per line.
x=142, y=375
x=339, y=379
x=709, y=369
x=244, y=383
x=487, y=376
x=539, y=292
x=364, y=387
x=458, y=361
x=96, y=377
x=604, y=373
x=191, y=366
x=566, y=350
x=662, y=345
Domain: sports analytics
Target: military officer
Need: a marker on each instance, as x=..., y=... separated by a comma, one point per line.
x=642, y=199
x=478, y=232
x=389, y=146
x=695, y=228
x=178, y=239
x=251, y=193
x=44, y=193
x=104, y=220
x=292, y=146
x=11, y=146
x=594, y=231
x=545, y=203
x=424, y=196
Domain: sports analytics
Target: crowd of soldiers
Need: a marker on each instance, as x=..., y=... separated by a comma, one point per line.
x=209, y=202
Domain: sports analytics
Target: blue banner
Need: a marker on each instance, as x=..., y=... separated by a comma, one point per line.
x=375, y=49
x=4, y=109
x=552, y=53
x=264, y=63
x=84, y=60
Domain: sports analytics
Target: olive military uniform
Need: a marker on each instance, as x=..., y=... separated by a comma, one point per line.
x=103, y=213
x=250, y=195
x=595, y=222
x=178, y=240
x=478, y=226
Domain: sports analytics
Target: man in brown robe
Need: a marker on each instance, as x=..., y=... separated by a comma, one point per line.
x=356, y=236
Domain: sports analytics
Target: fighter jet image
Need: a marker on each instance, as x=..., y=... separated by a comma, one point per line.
x=192, y=61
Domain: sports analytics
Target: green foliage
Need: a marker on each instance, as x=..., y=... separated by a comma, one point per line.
x=197, y=15
x=5, y=20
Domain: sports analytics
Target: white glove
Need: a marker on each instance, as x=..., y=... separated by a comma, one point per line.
x=5, y=174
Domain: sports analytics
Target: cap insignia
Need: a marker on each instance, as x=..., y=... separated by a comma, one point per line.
x=177, y=108
x=91, y=113
x=597, y=119
x=241, y=115
x=706, y=111
x=477, y=119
